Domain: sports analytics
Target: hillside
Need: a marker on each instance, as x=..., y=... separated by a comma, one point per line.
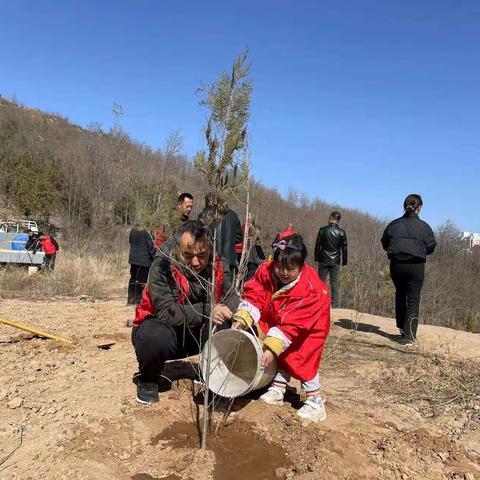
x=393, y=412
x=96, y=183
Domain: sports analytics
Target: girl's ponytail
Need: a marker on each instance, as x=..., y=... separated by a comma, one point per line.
x=412, y=202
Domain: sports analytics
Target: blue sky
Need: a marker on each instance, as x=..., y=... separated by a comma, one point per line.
x=356, y=102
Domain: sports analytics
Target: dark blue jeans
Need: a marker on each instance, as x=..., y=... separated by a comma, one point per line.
x=334, y=272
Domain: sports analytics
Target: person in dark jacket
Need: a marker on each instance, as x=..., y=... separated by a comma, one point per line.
x=185, y=206
x=229, y=233
x=171, y=321
x=253, y=250
x=331, y=252
x=408, y=241
x=142, y=252
x=33, y=242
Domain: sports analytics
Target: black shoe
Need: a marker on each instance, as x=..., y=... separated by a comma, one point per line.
x=147, y=392
x=162, y=382
x=406, y=341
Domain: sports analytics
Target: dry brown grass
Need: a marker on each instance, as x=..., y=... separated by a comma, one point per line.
x=75, y=274
x=441, y=387
x=436, y=386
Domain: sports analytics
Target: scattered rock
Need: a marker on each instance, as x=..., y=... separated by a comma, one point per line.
x=469, y=476
x=288, y=421
x=15, y=403
x=281, y=473
x=443, y=456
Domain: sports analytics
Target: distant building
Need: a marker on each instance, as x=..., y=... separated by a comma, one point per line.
x=472, y=240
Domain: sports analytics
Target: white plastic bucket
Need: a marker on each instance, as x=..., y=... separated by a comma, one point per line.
x=32, y=270
x=236, y=364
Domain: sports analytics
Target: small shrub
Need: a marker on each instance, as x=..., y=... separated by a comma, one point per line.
x=471, y=322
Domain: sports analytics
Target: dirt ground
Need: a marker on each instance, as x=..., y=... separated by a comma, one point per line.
x=70, y=412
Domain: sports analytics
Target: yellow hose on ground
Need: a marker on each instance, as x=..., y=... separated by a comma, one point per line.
x=34, y=330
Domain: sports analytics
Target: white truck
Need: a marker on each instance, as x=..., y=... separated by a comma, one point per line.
x=12, y=249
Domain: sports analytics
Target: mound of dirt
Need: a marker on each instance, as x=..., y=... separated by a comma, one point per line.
x=393, y=412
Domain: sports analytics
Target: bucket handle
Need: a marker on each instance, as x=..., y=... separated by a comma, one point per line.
x=255, y=336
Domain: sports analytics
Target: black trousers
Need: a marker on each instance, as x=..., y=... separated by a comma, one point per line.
x=408, y=280
x=49, y=261
x=138, y=279
x=334, y=272
x=156, y=342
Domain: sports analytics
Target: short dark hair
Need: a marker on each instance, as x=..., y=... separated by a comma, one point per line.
x=183, y=196
x=412, y=202
x=293, y=254
x=194, y=227
x=335, y=216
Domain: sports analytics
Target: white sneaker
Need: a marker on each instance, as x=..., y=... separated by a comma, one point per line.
x=273, y=396
x=313, y=409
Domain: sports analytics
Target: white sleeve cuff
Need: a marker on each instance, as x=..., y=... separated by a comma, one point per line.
x=251, y=309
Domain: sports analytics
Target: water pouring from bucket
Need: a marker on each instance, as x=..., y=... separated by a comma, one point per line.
x=236, y=364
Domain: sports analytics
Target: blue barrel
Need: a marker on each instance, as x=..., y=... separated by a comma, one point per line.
x=18, y=242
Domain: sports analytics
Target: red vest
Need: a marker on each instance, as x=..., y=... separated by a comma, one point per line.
x=160, y=237
x=47, y=245
x=146, y=308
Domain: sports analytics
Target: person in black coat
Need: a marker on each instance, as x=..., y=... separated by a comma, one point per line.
x=331, y=252
x=33, y=242
x=142, y=252
x=408, y=241
x=229, y=233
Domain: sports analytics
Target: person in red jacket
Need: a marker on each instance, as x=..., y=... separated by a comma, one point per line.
x=50, y=246
x=290, y=307
x=287, y=232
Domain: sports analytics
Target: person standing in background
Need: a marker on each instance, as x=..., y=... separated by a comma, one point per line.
x=185, y=206
x=408, y=241
x=142, y=252
x=286, y=232
x=330, y=253
x=229, y=234
x=49, y=245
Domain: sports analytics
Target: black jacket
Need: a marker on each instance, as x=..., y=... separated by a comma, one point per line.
x=142, y=248
x=33, y=243
x=193, y=312
x=229, y=233
x=331, y=245
x=408, y=239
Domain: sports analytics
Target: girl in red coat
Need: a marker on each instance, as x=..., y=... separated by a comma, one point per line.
x=290, y=306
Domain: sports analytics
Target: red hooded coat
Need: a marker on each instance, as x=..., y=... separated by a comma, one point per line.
x=300, y=316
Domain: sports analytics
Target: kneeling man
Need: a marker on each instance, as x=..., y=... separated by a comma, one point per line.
x=172, y=319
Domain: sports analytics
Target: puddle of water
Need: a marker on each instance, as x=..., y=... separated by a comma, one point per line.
x=240, y=452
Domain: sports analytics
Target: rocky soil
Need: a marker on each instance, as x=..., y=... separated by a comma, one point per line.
x=69, y=412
